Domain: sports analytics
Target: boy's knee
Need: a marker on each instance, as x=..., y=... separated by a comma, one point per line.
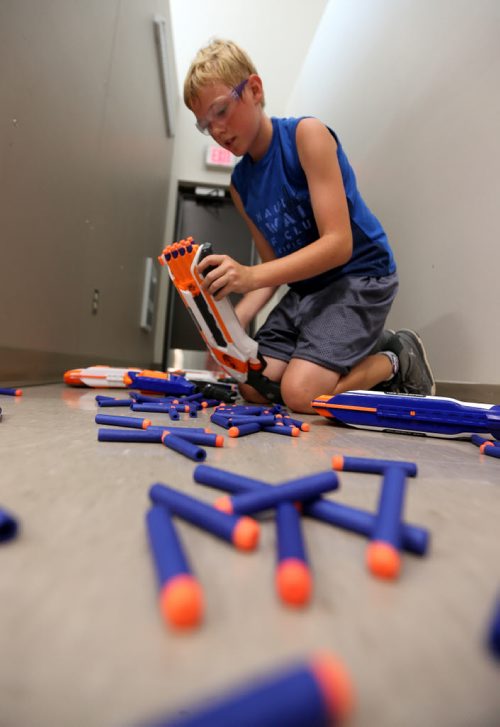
x=296, y=398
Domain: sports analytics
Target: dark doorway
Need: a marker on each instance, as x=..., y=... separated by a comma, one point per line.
x=208, y=215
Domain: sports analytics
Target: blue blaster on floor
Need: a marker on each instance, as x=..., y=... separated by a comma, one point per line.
x=435, y=416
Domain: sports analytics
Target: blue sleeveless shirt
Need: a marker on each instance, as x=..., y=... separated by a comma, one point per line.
x=275, y=196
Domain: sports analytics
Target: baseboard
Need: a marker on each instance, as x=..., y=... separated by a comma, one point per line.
x=478, y=393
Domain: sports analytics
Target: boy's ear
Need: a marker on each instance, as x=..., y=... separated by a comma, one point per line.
x=256, y=87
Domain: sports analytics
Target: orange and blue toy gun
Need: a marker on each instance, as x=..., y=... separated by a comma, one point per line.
x=435, y=416
x=108, y=377
x=233, y=350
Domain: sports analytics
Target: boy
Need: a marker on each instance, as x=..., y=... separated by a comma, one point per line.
x=297, y=193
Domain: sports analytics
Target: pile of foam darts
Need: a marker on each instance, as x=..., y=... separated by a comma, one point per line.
x=241, y=420
x=231, y=519
x=190, y=441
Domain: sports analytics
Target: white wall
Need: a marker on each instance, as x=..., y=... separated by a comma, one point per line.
x=277, y=36
x=413, y=89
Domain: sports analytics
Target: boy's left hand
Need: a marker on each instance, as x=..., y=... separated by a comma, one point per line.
x=225, y=276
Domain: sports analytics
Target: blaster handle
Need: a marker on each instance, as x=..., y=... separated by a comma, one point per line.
x=206, y=250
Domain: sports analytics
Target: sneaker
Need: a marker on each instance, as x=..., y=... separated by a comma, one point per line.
x=415, y=374
x=383, y=341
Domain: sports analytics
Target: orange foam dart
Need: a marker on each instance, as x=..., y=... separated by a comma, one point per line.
x=181, y=596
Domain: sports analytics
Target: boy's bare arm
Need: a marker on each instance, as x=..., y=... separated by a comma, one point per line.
x=247, y=308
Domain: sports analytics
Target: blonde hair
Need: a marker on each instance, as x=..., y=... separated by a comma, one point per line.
x=220, y=60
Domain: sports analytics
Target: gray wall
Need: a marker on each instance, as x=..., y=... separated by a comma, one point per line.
x=84, y=173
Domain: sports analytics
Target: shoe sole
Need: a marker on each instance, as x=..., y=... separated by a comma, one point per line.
x=416, y=338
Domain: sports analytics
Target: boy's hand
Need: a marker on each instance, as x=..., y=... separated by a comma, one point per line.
x=225, y=276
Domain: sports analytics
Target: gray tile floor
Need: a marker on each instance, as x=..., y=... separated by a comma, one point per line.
x=81, y=639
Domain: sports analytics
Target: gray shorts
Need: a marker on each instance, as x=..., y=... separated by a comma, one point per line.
x=335, y=327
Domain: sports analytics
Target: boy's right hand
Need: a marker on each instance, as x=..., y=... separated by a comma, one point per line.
x=223, y=275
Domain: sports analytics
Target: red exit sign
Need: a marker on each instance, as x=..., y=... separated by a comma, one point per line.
x=219, y=158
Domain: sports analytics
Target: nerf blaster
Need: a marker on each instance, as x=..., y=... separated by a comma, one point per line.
x=108, y=377
x=233, y=350
x=434, y=416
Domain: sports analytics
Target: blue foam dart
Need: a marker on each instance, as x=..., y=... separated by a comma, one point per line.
x=151, y=408
x=181, y=597
x=316, y=692
x=205, y=439
x=175, y=429
x=8, y=526
x=493, y=635
x=414, y=538
x=301, y=489
x=106, y=434
x=11, y=392
x=151, y=399
x=293, y=576
x=243, y=532
x=382, y=555
x=430, y=415
x=112, y=402
x=492, y=451
x=183, y=446
x=154, y=434
x=131, y=422
x=370, y=465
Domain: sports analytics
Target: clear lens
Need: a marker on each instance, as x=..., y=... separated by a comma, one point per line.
x=220, y=110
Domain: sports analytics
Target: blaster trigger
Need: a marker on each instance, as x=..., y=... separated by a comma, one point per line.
x=206, y=250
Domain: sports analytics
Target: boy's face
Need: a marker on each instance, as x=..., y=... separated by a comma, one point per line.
x=229, y=115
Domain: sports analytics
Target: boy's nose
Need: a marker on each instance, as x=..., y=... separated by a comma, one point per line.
x=217, y=126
